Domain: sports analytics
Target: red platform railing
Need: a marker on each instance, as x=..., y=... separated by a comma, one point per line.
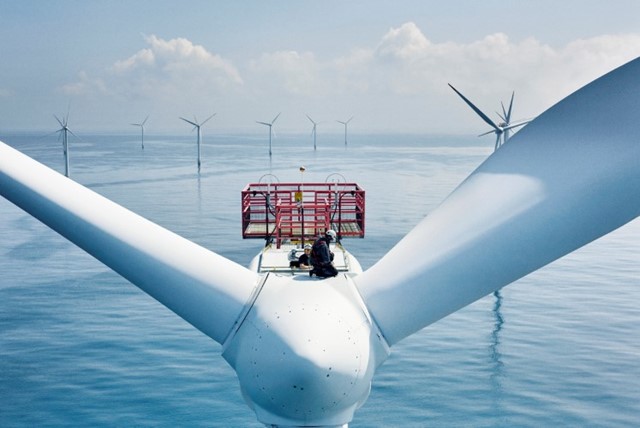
x=302, y=211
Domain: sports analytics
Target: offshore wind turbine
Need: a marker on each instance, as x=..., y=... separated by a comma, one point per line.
x=64, y=131
x=506, y=119
x=345, y=128
x=502, y=129
x=270, y=125
x=313, y=131
x=307, y=355
x=197, y=126
x=141, y=125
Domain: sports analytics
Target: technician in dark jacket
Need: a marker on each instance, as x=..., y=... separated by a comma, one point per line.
x=304, y=261
x=321, y=256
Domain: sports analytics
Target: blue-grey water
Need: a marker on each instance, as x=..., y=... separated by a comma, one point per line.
x=80, y=346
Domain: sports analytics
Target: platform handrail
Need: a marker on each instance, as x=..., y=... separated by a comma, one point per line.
x=301, y=211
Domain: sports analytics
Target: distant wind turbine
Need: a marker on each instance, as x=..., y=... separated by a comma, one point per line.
x=345, y=128
x=502, y=129
x=64, y=131
x=197, y=126
x=141, y=125
x=270, y=125
x=313, y=131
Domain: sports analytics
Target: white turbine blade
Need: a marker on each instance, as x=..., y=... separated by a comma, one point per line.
x=503, y=116
x=349, y=119
x=144, y=121
x=508, y=114
x=206, y=289
x=207, y=119
x=62, y=124
x=71, y=132
x=517, y=124
x=474, y=108
x=263, y=123
x=50, y=134
x=189, y=121
x=311, y=120
x=275, y=118
x=568, y=178
x=493, y=131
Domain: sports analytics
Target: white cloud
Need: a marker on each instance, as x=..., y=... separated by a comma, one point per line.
x=165, y=68
x=407, y=64
x=295, y=73
x=143, y=58
x=85, y=85
x=406, y=42
x=399, y=79
x=181, y=58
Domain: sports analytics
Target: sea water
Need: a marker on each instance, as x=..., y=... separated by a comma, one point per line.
x=80, y=346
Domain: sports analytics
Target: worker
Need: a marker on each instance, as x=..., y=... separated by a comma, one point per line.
x=304, y=261
x=322, y=257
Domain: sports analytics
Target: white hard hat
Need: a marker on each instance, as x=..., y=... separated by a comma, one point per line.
x=331, y=233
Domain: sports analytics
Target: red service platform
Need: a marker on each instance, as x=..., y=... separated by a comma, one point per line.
x=299, y=212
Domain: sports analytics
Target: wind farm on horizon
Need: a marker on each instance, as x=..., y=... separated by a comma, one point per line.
x=503, y=129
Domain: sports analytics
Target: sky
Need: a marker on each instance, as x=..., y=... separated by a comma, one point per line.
x=108, y=64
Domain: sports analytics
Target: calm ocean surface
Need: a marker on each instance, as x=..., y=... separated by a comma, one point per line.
x=80, y=346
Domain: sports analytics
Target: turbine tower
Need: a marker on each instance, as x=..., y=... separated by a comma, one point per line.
x=313, y=131
x=64, y=131
x=197, y=126
x=141, y=125
x=345, y=128
x=502, y=129
x=270, y=125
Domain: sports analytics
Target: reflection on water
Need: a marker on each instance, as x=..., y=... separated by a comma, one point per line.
x=199, y=192
x=497, y=326
x=494, y=351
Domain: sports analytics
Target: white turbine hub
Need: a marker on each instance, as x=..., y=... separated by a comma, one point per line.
x=303, y=354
